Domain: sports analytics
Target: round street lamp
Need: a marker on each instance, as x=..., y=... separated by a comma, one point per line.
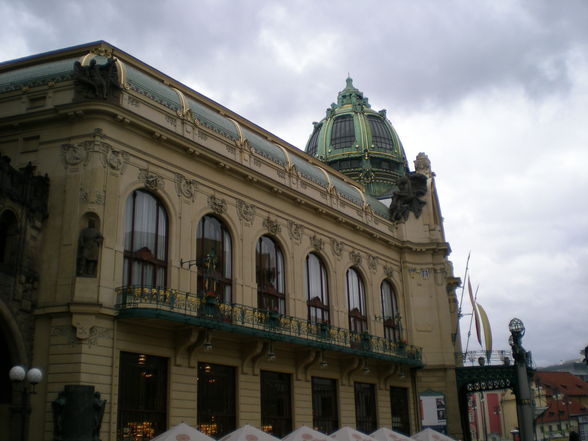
x=516, y=327
x=21, y=377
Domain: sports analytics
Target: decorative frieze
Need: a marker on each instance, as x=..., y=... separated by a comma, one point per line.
x=151, y=180
x=422, y=273
x=271, y=226
x=185, y=187
x=337, y=247
x=217, y=205
x=295, y=231
x=98, y=197
x=245, y=211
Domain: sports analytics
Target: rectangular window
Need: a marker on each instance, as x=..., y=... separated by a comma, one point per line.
x=399, y=410
x=276, y=403
x=216, y=399
x=325, y=414
x=142, y=397
x=365, y=407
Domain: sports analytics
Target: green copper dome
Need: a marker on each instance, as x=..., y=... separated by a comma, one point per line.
x=359, y=142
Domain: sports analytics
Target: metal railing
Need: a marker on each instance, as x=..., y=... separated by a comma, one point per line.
x=474, y=358
x=208, y=311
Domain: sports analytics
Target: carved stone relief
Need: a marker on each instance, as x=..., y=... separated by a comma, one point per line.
x=337, y=247
x=372, y=262
x=151, y=180
x=185, y=187
x=389, y=271
x=271, y=226
x=316, y=242
x=217, y=205
x=245, y=212
x=75, y=154
x=295, y=231
x=355, y=257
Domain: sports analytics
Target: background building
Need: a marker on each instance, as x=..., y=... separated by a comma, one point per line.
x=191, y=266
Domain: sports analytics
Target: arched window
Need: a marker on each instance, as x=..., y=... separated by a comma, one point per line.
x=145, y=262
x=317, y=294
x=356, y=302
x=8, y=242
x=214, y=257
x=390, y=312
x=270, y=275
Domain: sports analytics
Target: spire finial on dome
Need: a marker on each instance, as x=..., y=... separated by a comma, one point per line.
x=349, y=81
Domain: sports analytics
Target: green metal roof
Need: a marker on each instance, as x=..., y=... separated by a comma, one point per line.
x=265, y=148
x=37, y=75
x=213, y=120
x=152, y=88
x=309, y=171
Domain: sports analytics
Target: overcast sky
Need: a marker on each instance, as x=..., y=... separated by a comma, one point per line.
x=495, y=92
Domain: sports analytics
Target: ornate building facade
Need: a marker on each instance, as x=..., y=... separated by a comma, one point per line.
x=194, y=267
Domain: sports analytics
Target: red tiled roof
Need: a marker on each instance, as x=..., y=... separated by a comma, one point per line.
x=563, y=383
x=560, y=410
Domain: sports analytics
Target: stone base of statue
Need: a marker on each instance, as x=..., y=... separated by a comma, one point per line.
x=77, y=414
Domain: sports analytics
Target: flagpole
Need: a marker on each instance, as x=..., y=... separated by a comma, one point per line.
x=459, y=313
x=472, y=316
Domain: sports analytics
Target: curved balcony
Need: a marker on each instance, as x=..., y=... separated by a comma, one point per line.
x=208, y=312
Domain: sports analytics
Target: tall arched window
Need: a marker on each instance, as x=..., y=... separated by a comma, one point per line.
x=270, y=275
x=356, y=302
x=145, y=240
x=317, y=294
x=390, y=312
x=214, y=257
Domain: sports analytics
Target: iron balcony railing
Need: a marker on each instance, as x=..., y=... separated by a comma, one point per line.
x=208, y=311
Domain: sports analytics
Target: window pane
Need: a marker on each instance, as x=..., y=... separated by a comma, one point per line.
x=214, y=255
x=365, y=407
x=142, y=396
x=269, y=275
x=399, y=409
x=276, y=403
x=216, y=399
x=145, y=240
x=315, y=282
x=343, y=132
x=325, y=414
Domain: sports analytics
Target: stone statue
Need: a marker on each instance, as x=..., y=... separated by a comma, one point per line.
x=96, y=81
x=88, y=250
x=411, y=187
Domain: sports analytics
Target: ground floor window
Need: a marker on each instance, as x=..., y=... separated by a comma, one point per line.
x=142, y=396
x=276, y=403
x=325, y=414
x=216, y=399
x=365, y=407
x=399, y=409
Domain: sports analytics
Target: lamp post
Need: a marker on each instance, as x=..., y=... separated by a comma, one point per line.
x=523, y=393
x=23, y=378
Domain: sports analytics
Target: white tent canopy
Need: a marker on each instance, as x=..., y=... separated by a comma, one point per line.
x=430, y=435
x=249, y=433
x=349, y=434
x=182, y=432
x=385, y=434
x=305, y=433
